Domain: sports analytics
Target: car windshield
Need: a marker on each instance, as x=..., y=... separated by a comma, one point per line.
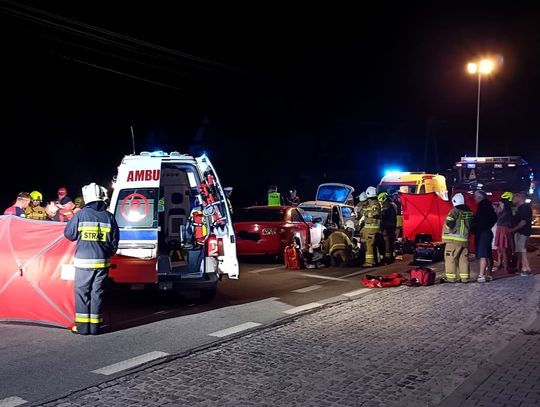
x=263, y=214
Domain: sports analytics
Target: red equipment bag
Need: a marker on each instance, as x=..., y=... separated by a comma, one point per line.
x=421, y=276
x=389, y=280
x=293, y=258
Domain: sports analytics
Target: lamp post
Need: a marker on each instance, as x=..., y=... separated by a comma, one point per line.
x=482, y=67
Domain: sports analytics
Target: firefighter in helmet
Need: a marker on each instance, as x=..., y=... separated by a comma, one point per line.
x=456, y=230
x=388, y=225
x=79, y=203
x=97, y=234
x=372, y=220
x=338, y=247
x=34, y=209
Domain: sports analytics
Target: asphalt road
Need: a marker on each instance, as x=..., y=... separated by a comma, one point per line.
x=42, y=362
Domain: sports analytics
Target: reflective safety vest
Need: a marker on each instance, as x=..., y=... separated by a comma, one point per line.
x=274, y=199
x=372, y=213
x=457, y=227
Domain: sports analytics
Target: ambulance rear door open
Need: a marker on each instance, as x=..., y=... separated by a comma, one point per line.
x=135, y=205
x=227, y=259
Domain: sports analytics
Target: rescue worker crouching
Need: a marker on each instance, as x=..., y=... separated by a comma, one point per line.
x=388, y=225
x=372, y=225
x=456, y=230
x=338, y=247
x=97, y=234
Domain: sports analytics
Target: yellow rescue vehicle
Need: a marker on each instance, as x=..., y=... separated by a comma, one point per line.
x=413, y=183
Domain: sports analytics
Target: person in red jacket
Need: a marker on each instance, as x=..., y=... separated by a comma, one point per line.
x=18, y=208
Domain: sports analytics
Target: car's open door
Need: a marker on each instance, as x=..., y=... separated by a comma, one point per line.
x=335, y=192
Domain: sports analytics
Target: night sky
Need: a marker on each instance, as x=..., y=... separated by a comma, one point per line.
x=292, y=97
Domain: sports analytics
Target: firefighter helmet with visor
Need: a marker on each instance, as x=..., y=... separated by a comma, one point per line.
x=36, y=196
x=94, y=192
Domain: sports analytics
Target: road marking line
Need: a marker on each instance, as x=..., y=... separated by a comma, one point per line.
x=129, y=363
x=302, y=308
x=323, y=277
x=234, y=329
x=356, y=273
x=265, y=269
x=356, y=292
x=12, y=401
x=307, y=289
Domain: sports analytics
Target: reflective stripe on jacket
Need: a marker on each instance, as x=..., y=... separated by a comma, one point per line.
x=337, y=241
x=457, y=226
x=372, y=214
x=97, y=236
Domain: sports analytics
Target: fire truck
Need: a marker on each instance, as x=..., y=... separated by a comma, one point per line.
x=494, y=175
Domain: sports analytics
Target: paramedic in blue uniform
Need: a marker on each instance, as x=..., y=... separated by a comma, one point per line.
x=97, y=235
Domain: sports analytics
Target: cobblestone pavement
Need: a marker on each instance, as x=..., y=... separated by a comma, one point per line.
x=395, y=347
x=516, y=382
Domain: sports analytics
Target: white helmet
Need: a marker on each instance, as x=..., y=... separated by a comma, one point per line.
x=371, y=192
x=458, y=199
x=94, y=192
x=362, y=197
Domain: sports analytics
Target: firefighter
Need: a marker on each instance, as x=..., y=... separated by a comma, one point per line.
x=399, y=214
x=34, y=209
x=388, y=225
x=79, y=203
x=97, y=234
x=339, y=247
x=359, y=210
x=455, y=234
x=372, y=220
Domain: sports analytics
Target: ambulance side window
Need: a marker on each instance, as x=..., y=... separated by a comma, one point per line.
x=137, y=208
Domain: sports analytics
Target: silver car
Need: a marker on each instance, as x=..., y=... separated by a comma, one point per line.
x=334, y=204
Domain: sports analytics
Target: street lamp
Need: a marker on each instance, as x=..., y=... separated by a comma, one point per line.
x=482, y=67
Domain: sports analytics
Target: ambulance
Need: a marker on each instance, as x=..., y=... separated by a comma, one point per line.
x=413, y=183
x=176, y=231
